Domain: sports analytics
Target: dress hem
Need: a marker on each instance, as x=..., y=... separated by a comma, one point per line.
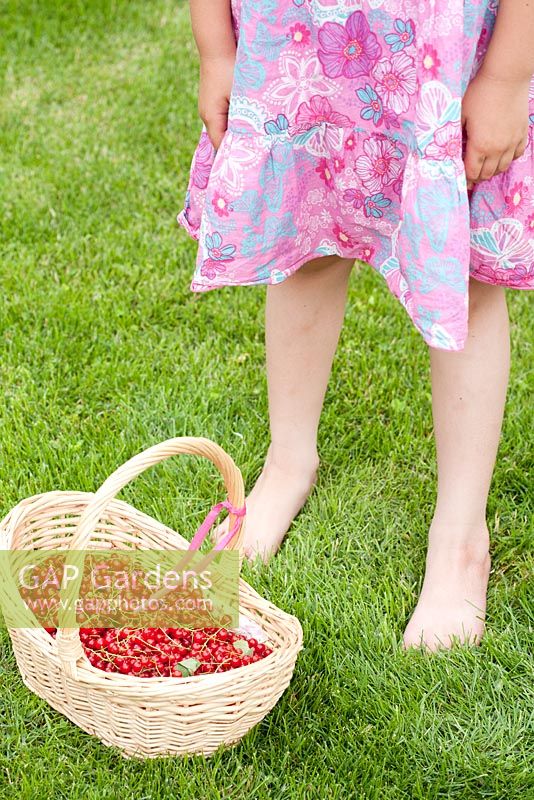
x=200, y=288
x=483, y=279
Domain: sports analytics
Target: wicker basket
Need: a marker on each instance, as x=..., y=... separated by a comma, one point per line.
x=145, y=717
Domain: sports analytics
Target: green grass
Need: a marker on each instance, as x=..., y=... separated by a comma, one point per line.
x=105, y=351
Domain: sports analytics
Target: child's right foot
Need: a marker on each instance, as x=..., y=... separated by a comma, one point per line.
x=276, y=498
x=452, y=604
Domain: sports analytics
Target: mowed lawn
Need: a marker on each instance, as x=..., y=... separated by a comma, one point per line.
x=106, y=351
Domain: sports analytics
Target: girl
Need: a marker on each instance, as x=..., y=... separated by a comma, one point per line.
x=394, y=132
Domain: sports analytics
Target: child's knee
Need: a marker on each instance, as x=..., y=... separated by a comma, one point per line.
x=483, y=295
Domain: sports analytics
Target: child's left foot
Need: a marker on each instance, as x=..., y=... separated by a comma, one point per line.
x=452, y=604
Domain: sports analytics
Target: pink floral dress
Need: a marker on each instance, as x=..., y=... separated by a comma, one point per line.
x=344, y=137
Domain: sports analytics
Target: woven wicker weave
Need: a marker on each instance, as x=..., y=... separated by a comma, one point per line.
x=145, y=717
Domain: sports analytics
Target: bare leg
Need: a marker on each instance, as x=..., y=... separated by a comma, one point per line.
x=303, y=319
x=468, y=392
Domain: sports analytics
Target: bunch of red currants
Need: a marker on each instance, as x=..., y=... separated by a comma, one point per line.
x=168, y=652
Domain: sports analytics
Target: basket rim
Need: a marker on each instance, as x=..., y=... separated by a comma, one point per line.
x=109, y=681
x=27, y=504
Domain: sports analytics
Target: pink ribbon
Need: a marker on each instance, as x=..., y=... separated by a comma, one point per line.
x=212, y=515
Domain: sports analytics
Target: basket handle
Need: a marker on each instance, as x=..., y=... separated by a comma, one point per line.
x=190, y=445
x=68, y=639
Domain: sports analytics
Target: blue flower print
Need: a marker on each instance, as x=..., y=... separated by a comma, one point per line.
x=278, y=126
x=215, y=251
x=403, y=36
x=374, y=204
x=373, y=108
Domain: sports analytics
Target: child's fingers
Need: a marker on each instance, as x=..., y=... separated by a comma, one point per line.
x=481, y=167
x=216, y=128
x=473, y=163
x=520, y=149
x=505, y=161
x=216, y=137
x=489, y=167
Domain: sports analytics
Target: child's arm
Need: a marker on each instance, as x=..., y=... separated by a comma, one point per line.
x=495, y=105
x=211, y=21
x=510, y=55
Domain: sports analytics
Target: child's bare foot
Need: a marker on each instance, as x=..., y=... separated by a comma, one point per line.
x=276, y=498
x=452, y=604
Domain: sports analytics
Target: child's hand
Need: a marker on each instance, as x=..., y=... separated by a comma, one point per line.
x=495, y=117
x=215, y=86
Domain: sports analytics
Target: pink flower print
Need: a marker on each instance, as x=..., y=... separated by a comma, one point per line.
x=430, y=61
x=447, y=143
x=355, y=197
x=529, y=225
x=327, y=126
x=319, y=110
x=339, y=164
x=325, y=173
x=201, y=168
x=210, y=268
x=221, y=205
x=299, y=35
x=350, y=50
x=516, y=197
x=519, y=276
x=396, y=81
x=218, y=255
x=366, y=253
x=380, y=165
x=350, y=142
x=342, y=236
x=482, y=44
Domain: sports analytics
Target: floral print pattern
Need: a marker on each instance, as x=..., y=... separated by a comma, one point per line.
x=350, y=50
x=396, y=81
x=344, y=137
